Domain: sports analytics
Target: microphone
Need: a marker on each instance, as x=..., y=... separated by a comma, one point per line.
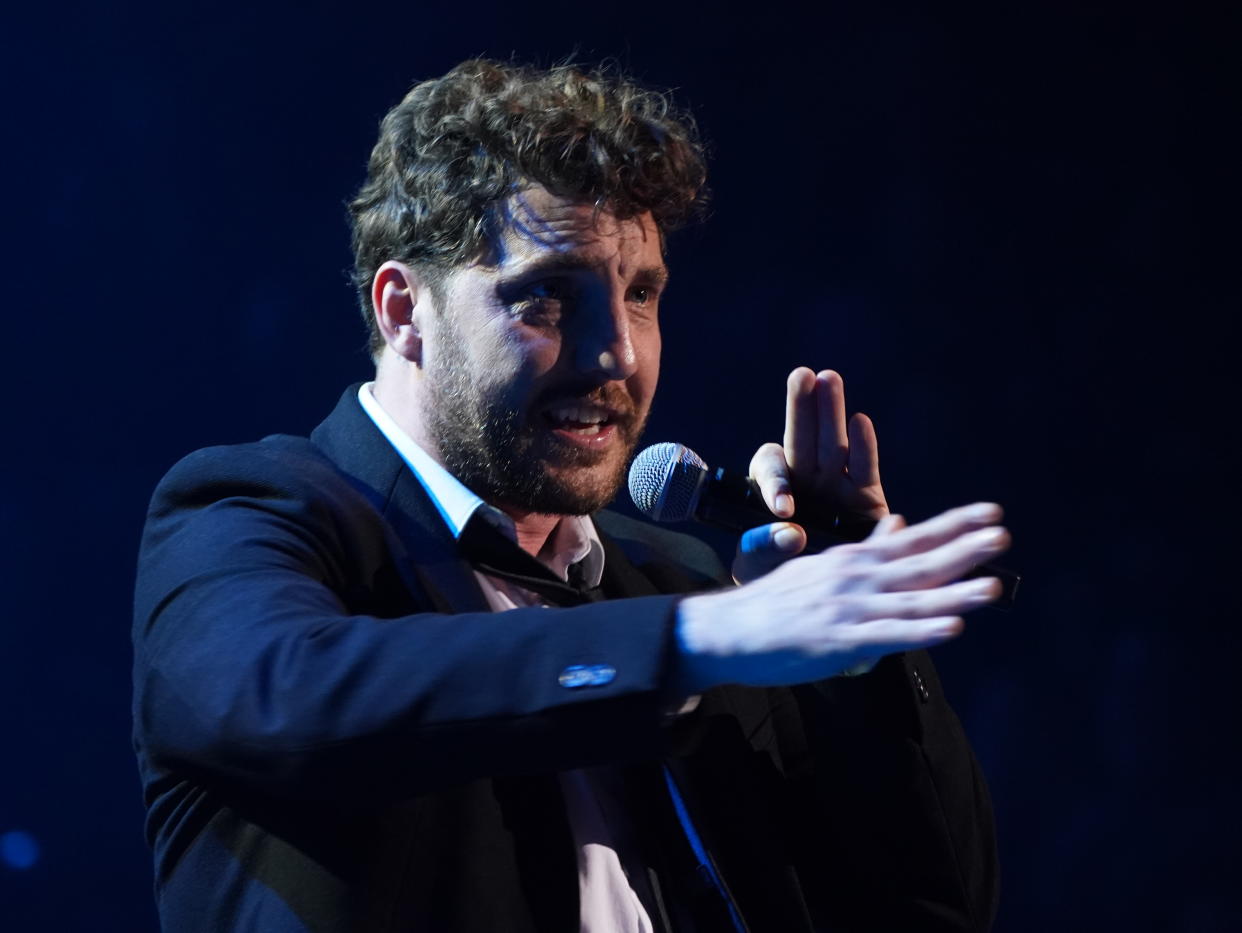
x=671, y=483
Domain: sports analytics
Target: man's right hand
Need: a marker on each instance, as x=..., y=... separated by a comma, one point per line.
x=819, y=615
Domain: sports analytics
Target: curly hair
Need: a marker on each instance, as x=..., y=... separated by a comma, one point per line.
x=457, y=146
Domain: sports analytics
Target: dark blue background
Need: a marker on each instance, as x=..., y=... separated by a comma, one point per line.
x=1013, y=231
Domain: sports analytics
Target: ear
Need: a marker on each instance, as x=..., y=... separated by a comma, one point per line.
x=401, y=302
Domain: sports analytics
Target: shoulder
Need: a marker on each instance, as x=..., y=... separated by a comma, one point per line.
x=278, y=504
x=274, y=466
x=279, y=458
x=280, y=475
x=647, y=545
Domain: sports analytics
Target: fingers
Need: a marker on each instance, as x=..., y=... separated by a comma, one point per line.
x=886, y=636
x=864, y=451
x=801, y=421
x=949, y=561
x=818, y=440
x=886, y=526
x=771, y=474
x=816, y=616
x=833, y=446
x=909, y=621
x=945, y=527
x=953, y=599
x=872, y=640
x=762, y=549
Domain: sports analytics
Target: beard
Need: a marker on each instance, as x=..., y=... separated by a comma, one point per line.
x=509, y=455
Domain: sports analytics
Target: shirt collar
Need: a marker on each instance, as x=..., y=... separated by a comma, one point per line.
x=573, y=539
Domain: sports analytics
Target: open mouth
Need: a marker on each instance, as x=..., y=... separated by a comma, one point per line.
x=581, y=419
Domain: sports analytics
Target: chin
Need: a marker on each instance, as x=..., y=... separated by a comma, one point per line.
x=578, y=490
x=576, y=498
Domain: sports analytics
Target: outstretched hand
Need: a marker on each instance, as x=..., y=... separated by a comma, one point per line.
x=827, y=467
x=822, y=614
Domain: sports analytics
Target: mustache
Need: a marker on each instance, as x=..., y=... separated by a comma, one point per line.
x=610, y=396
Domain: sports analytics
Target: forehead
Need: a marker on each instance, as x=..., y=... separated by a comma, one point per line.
x=535, y=224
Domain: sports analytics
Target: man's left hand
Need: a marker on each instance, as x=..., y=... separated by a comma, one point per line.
x=827, y=466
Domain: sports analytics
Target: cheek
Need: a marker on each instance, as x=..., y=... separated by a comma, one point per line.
x=647, y=349
x=514, y=360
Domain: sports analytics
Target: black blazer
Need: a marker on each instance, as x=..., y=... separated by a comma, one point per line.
x=334, y=732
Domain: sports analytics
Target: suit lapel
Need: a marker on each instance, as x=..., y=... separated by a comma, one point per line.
x=447, y=579
x=427, y=558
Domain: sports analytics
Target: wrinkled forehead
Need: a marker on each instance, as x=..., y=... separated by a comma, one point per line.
x=535, y=222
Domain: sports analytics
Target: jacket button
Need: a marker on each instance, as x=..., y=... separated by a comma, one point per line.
x=587, y=675
x=924, y=693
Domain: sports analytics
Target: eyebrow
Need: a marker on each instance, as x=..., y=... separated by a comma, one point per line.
x=569, y=262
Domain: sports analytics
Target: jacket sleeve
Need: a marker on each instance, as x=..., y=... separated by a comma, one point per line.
x=253, y=666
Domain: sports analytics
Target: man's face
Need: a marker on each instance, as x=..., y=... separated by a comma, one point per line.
x=541, y=363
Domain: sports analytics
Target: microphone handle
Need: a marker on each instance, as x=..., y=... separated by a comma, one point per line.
x=734, y=502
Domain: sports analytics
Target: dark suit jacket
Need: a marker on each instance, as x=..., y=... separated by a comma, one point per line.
x=335, y=734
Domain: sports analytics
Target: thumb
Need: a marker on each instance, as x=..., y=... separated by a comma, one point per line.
x=765, y=548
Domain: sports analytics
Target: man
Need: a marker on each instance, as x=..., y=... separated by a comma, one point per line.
x=405, y=675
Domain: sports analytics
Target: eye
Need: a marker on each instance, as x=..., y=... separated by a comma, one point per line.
x=646, y=297
x=541, y=301
x=548, y=290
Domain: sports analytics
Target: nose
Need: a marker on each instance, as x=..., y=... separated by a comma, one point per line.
x=606, y=344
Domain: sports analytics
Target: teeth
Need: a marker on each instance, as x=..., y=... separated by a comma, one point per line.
x=583, y=414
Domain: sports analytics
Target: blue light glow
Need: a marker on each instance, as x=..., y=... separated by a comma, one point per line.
x=18, y=849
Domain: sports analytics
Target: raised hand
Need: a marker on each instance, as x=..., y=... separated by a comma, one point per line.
x=819, y=615
x=827, y=468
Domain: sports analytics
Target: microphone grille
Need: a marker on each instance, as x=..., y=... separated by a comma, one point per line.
x=664, y=481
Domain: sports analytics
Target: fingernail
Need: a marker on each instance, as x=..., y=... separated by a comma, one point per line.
x=986, y=511
x=986, y=590
x=997, y=539
x=786, y=537
x=784, y=503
